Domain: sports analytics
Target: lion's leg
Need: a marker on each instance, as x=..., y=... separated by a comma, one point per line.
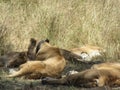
x=54, y=81
x=89, y=84
x=101, y=81
x=24, y=69
x=21, y=72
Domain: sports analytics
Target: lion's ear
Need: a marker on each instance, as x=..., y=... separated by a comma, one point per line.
x=33, y=41
x=47, y=40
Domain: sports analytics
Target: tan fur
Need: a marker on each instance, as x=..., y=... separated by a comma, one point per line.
x=88, y=78
x=107, y=65
x=89, y=53
x=86, y=49
x=52, y=66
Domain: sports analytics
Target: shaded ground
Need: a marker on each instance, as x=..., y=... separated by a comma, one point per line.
x=23, y=84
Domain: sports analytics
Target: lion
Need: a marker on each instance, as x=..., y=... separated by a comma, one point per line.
x=8, y=59
x=88, y=78
x=52, y=65
x=88, y=52
x=14, y=59
x=19, y=59
x=107, y=65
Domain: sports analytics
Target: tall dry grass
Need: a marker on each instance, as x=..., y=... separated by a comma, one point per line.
x=67, y=23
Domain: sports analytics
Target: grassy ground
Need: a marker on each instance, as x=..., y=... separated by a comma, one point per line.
x=67, y=23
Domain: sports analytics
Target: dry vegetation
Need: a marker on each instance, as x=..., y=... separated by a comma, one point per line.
x=67, y=23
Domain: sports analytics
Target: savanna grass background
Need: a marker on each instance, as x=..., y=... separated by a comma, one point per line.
x=67, y=23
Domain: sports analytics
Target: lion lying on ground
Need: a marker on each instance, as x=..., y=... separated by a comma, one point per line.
x=52, y=66
x=108, y=74
x=107, y=65
x=14, y=59
x=88, y=52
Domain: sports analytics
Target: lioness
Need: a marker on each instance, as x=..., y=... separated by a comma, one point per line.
x=88, y=52
x=52, y=66
x=14, y=59
x=107, y=65
x=88, y=78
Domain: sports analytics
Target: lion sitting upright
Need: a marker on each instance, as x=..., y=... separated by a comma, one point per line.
x=52, y=65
